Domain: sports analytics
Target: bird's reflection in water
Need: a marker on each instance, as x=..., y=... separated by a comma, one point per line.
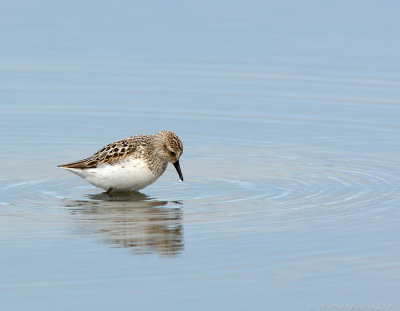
x=133, y=220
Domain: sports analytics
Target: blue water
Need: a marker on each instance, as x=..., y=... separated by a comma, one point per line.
x=289, y=115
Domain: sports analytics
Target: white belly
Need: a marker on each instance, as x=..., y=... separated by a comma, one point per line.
x=129, y=175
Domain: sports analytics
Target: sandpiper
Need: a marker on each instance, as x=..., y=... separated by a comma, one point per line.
x=131, y=163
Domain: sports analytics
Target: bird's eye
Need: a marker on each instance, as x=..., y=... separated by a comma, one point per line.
x=172, y=153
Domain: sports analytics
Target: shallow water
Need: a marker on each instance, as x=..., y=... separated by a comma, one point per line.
x=289, y=116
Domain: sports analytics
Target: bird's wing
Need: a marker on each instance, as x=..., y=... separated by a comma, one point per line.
x=110, y=154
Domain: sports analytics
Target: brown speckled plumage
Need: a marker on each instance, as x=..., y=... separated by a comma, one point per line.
x=132, y=146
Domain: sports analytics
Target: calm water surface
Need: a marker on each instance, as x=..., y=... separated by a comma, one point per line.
x=289, y=114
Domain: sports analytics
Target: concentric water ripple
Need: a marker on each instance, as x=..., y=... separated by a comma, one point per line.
x=337, y=186
x=340, y=185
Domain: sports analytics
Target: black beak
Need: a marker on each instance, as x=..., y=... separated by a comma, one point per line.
x=178, y=169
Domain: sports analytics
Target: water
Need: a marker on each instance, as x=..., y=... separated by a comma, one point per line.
x=289, y=114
